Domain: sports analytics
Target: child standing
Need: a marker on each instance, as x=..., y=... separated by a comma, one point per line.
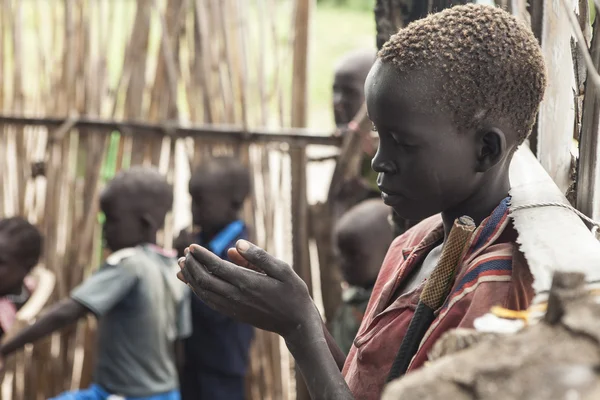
x=451, y=96
x=362, y=238
x=20, y=250
x=141, y=310
x=216, y=355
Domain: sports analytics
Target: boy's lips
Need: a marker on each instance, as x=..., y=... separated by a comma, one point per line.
x=390, y=198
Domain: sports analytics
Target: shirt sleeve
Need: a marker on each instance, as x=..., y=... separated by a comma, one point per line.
x=184, y=316
x=106, y=288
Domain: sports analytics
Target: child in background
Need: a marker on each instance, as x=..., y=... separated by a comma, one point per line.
x=216, y=355
x=20, y=250
x=348, y=97
x=362, y=238
x=349, y=85
x=142, y=311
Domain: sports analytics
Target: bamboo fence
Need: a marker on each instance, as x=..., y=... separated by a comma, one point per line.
x=88, y=87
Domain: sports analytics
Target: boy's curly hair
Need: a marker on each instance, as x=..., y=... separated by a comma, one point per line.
x=491, y=65
x=25, y=238
x=143, y=187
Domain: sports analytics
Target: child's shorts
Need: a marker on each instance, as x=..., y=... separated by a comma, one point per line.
x=95, y=392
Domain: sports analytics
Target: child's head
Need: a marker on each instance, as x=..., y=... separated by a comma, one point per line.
x=452, y=96
x=218, y=189
x=349, y=84
x=135, y=203
x=362, y=238
x=20, y=250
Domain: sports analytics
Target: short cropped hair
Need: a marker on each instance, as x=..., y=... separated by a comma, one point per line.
x=25, y=238
x=491, y=65
x=143, y=186
x=227, y=172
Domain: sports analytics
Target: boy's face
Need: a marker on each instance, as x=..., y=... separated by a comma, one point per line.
x=211, y=209
x=123, y=226
x=12, y=272
x=425, y=165
x=348, y=96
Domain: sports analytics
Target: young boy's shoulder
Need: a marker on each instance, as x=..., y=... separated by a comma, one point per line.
x=118, y=276
x=492, y=252
x=415, y=235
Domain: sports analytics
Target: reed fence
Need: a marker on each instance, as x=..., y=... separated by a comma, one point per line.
x=88, y=87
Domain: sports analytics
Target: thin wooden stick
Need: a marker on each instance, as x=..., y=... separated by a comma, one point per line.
x=582, y=44
x=214, y=132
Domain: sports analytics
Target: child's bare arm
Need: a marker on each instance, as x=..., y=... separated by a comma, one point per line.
x=59, y=316
x=336, y=352
x=276, y=300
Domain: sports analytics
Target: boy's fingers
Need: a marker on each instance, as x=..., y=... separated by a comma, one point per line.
x=236, y=258
x=181, y=277
x=217, y=303
x=263, y=260
x=213, y=265
x=201, y=279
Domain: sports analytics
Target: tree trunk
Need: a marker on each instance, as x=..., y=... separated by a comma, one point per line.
x=391, y=15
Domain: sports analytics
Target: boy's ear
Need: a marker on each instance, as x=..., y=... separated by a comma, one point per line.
x=149, y=221
x=491, y=148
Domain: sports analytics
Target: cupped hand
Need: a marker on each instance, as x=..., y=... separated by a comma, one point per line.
x=260, y=290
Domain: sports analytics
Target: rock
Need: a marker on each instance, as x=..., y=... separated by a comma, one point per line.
x=556, y=358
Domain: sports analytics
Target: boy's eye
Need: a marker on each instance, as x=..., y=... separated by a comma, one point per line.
x=400, y=142
x=395, y=139
x=373, y=127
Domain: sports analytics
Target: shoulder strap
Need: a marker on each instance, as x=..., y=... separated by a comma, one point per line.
x=226, y=236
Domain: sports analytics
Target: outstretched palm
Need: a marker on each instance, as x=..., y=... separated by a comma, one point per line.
x=265, y=292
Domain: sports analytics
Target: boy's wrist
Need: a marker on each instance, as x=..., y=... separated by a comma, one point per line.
x=305, y=334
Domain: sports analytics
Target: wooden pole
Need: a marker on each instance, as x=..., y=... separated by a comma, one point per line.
x=300, y=247
x=209, y=132
x=588, y=179
x=300, y=251
x=300, y=63
x=557, y=116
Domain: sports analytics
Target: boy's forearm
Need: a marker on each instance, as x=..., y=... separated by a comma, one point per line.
x=318, y=366
x=59, y=316
x=336, y=352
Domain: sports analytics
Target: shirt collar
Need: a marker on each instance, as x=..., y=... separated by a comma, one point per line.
x=485, y=234
x=119, y=255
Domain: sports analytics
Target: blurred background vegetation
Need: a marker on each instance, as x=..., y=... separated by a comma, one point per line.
x=339, y=26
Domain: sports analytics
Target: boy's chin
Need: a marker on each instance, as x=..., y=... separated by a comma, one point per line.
x=412, y=214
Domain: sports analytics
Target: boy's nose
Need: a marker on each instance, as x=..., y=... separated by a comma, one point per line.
x=383, y=166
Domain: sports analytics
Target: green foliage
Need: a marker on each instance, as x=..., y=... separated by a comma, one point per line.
x=361, y=5
x=335, y=31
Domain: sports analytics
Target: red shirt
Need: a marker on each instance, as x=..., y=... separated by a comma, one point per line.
x=492, y=272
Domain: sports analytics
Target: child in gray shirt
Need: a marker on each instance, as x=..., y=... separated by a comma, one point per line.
x=141, y=307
